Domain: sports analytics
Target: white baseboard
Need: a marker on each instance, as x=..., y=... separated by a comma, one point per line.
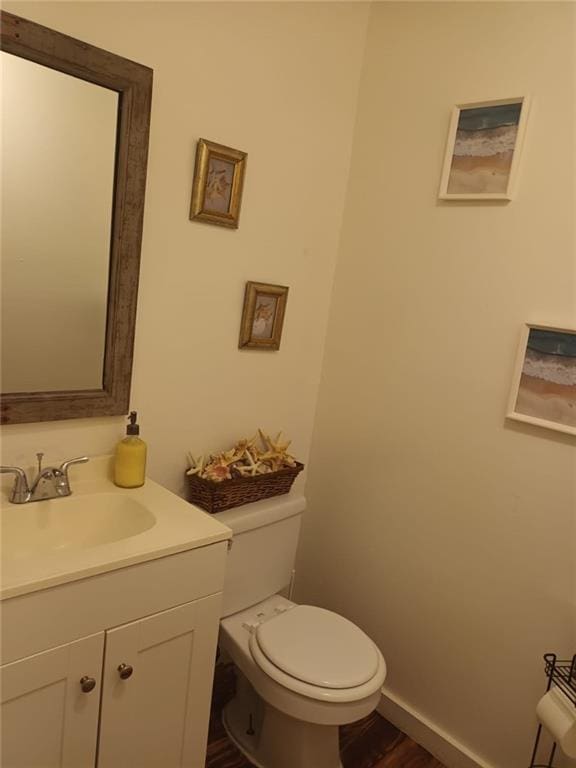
x=426, y=733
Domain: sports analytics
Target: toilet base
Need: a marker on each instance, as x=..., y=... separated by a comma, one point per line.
x=271, y=739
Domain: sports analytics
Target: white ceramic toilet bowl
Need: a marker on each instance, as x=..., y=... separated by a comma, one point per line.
x=304, y=672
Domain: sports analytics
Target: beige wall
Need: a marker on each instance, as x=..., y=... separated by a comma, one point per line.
x=58, y=133
x=279, y=81
x=442, y=529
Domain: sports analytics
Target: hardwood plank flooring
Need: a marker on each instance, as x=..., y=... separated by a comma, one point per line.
x=369, y=743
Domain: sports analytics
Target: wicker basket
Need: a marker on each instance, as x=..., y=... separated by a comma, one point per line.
x=216, y=497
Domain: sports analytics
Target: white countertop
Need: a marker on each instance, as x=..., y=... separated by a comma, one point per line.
x=179, y=526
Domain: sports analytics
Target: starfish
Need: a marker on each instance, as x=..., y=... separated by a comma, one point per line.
x=226, y=458
x=276, y=454
x=252, y=468
x=245, y=443
x=289, y=460
x=274, y=446
x=196, y=465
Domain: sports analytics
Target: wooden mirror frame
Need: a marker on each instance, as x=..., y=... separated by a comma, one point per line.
x=133, y=83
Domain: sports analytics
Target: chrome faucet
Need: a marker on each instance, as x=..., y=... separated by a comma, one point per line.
x=49, y=483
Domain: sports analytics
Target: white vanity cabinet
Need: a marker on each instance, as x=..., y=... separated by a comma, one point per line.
x=114, y=670
x=156, y=715
x=47, y=721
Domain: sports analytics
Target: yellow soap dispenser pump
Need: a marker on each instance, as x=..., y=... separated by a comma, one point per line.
x=130, y=457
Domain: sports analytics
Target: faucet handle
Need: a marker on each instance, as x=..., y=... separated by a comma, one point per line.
x=65, y=464
x=20, y=491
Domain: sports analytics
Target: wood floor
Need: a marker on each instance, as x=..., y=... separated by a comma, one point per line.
x=370, y=743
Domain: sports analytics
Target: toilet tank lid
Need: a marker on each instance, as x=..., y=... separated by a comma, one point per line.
x=260, y=513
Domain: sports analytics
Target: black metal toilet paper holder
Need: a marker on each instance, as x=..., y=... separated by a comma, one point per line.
x=562, y=674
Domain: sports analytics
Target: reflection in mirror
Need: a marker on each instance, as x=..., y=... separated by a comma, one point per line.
x=58, y=151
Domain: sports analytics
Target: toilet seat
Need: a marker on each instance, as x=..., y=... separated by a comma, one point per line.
x=287, y=647
x=318, y=647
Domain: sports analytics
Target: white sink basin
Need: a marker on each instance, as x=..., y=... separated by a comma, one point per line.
x=99, y=528
x=75, y=522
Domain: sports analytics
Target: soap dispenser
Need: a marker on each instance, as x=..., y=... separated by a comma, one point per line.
x=130, y=457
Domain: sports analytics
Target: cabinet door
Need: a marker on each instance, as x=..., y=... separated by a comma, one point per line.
x=48, y=721
x=156, y=716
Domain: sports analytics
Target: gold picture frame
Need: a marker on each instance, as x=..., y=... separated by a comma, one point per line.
x=262, y=316
x=218, y=182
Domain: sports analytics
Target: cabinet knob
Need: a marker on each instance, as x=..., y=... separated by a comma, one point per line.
x=87, y=684
x=125, y=671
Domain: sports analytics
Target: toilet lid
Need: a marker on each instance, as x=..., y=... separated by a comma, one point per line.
x=318, y=647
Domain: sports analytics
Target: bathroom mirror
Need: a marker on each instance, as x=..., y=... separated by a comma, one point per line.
x=75, y=126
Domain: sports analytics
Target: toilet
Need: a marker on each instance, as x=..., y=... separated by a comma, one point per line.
x=302, y=671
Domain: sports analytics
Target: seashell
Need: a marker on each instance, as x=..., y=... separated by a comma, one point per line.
x=217, y=472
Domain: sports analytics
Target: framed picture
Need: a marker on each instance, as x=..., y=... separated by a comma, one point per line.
x=483, y=150
x=218, y=180
x=544, y=385
x=262, y=316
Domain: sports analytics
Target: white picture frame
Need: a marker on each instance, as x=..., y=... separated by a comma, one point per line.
x=543, y=391
x=484, y=149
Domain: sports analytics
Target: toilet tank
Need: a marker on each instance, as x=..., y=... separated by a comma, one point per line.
x=261, y=560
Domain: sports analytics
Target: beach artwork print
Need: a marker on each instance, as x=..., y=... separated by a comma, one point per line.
x=544, y=391
x=483, y=143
